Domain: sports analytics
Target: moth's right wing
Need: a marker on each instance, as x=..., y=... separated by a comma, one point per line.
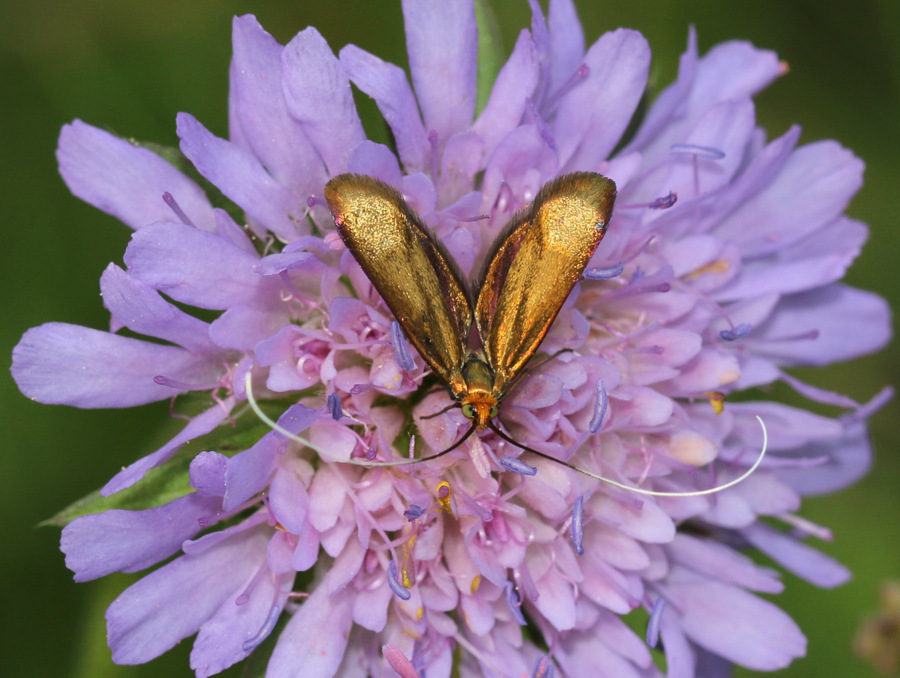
x=534, y=265
x=411, y=270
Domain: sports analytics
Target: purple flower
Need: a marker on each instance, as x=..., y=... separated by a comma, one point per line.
x=720, y=270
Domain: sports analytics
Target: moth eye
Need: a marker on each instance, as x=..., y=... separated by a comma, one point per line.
x=468, y=411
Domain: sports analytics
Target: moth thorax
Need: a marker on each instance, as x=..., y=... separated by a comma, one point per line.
x=479, y=402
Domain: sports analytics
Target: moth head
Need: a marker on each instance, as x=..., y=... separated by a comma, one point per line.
x=480, y=408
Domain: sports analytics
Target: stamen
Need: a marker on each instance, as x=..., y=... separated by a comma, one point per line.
x=399, y=662
x=656, y=349
x=868, y=409
x=807, y=527
x=543, y=668
x=264, y=630
x=582, y=72
x=471, y=220
x=401, y=350
x=741, y=330
x=435, y=160
x=540, y=124
x=181, y=385
x=517, y=466
x=640, y=249
x=444, y=494
x=661, y=281
x=476, y=582
x=399, y=590
x=653, y=625
x=169, y=199
x=272, y=521
x=414, y=511
x=244, y=597
x=314, y=200
x=697, y=151
x=717, y=266
x=663, y=203
x=802, y=336
x=600, y=406
x=333, y=405
x=717, y=400
x=578, y=526
x=604, y=273
x=514, y=603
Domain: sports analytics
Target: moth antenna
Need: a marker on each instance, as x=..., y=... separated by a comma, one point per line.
x=275, y=426
x=446, y=409
x=637, y=490
x=533, y=367
x=408, y=462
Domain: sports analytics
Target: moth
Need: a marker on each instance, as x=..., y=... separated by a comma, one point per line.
x=527, y=276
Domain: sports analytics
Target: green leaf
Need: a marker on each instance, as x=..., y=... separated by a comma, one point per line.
x=490, y=52
x=168, y=482
x=160, y=486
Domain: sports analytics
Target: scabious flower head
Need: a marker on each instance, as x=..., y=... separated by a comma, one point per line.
x=720, y=269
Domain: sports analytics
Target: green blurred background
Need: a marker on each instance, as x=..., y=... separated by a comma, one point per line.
x=130, y=66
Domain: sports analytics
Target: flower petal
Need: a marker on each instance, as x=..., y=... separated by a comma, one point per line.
x=125, y=180
x=735, y=624
x=316, y=636
x=288, y=500
x=801, y=559
x=846, y=460
x=243, y=326
x=142, y=310
x=388, y=86
x=196, y=268
x=442, y=44
x=207, y=473
x=222, y=639
x=61, y=364
x=566, y=38
x=728, y=72
x=593, y=115
x=665, y=108
x=812, y=189
x=318, y=94
x=847, y=323
x=173, y=602
x=726, y=127
x=710, y=557
x=514, y=85
x=129, y=541
x=242, y=178
x=818, y=260
x=259, y=110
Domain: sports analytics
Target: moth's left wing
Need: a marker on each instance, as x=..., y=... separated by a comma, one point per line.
x=535, y=264
x=414, y=274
